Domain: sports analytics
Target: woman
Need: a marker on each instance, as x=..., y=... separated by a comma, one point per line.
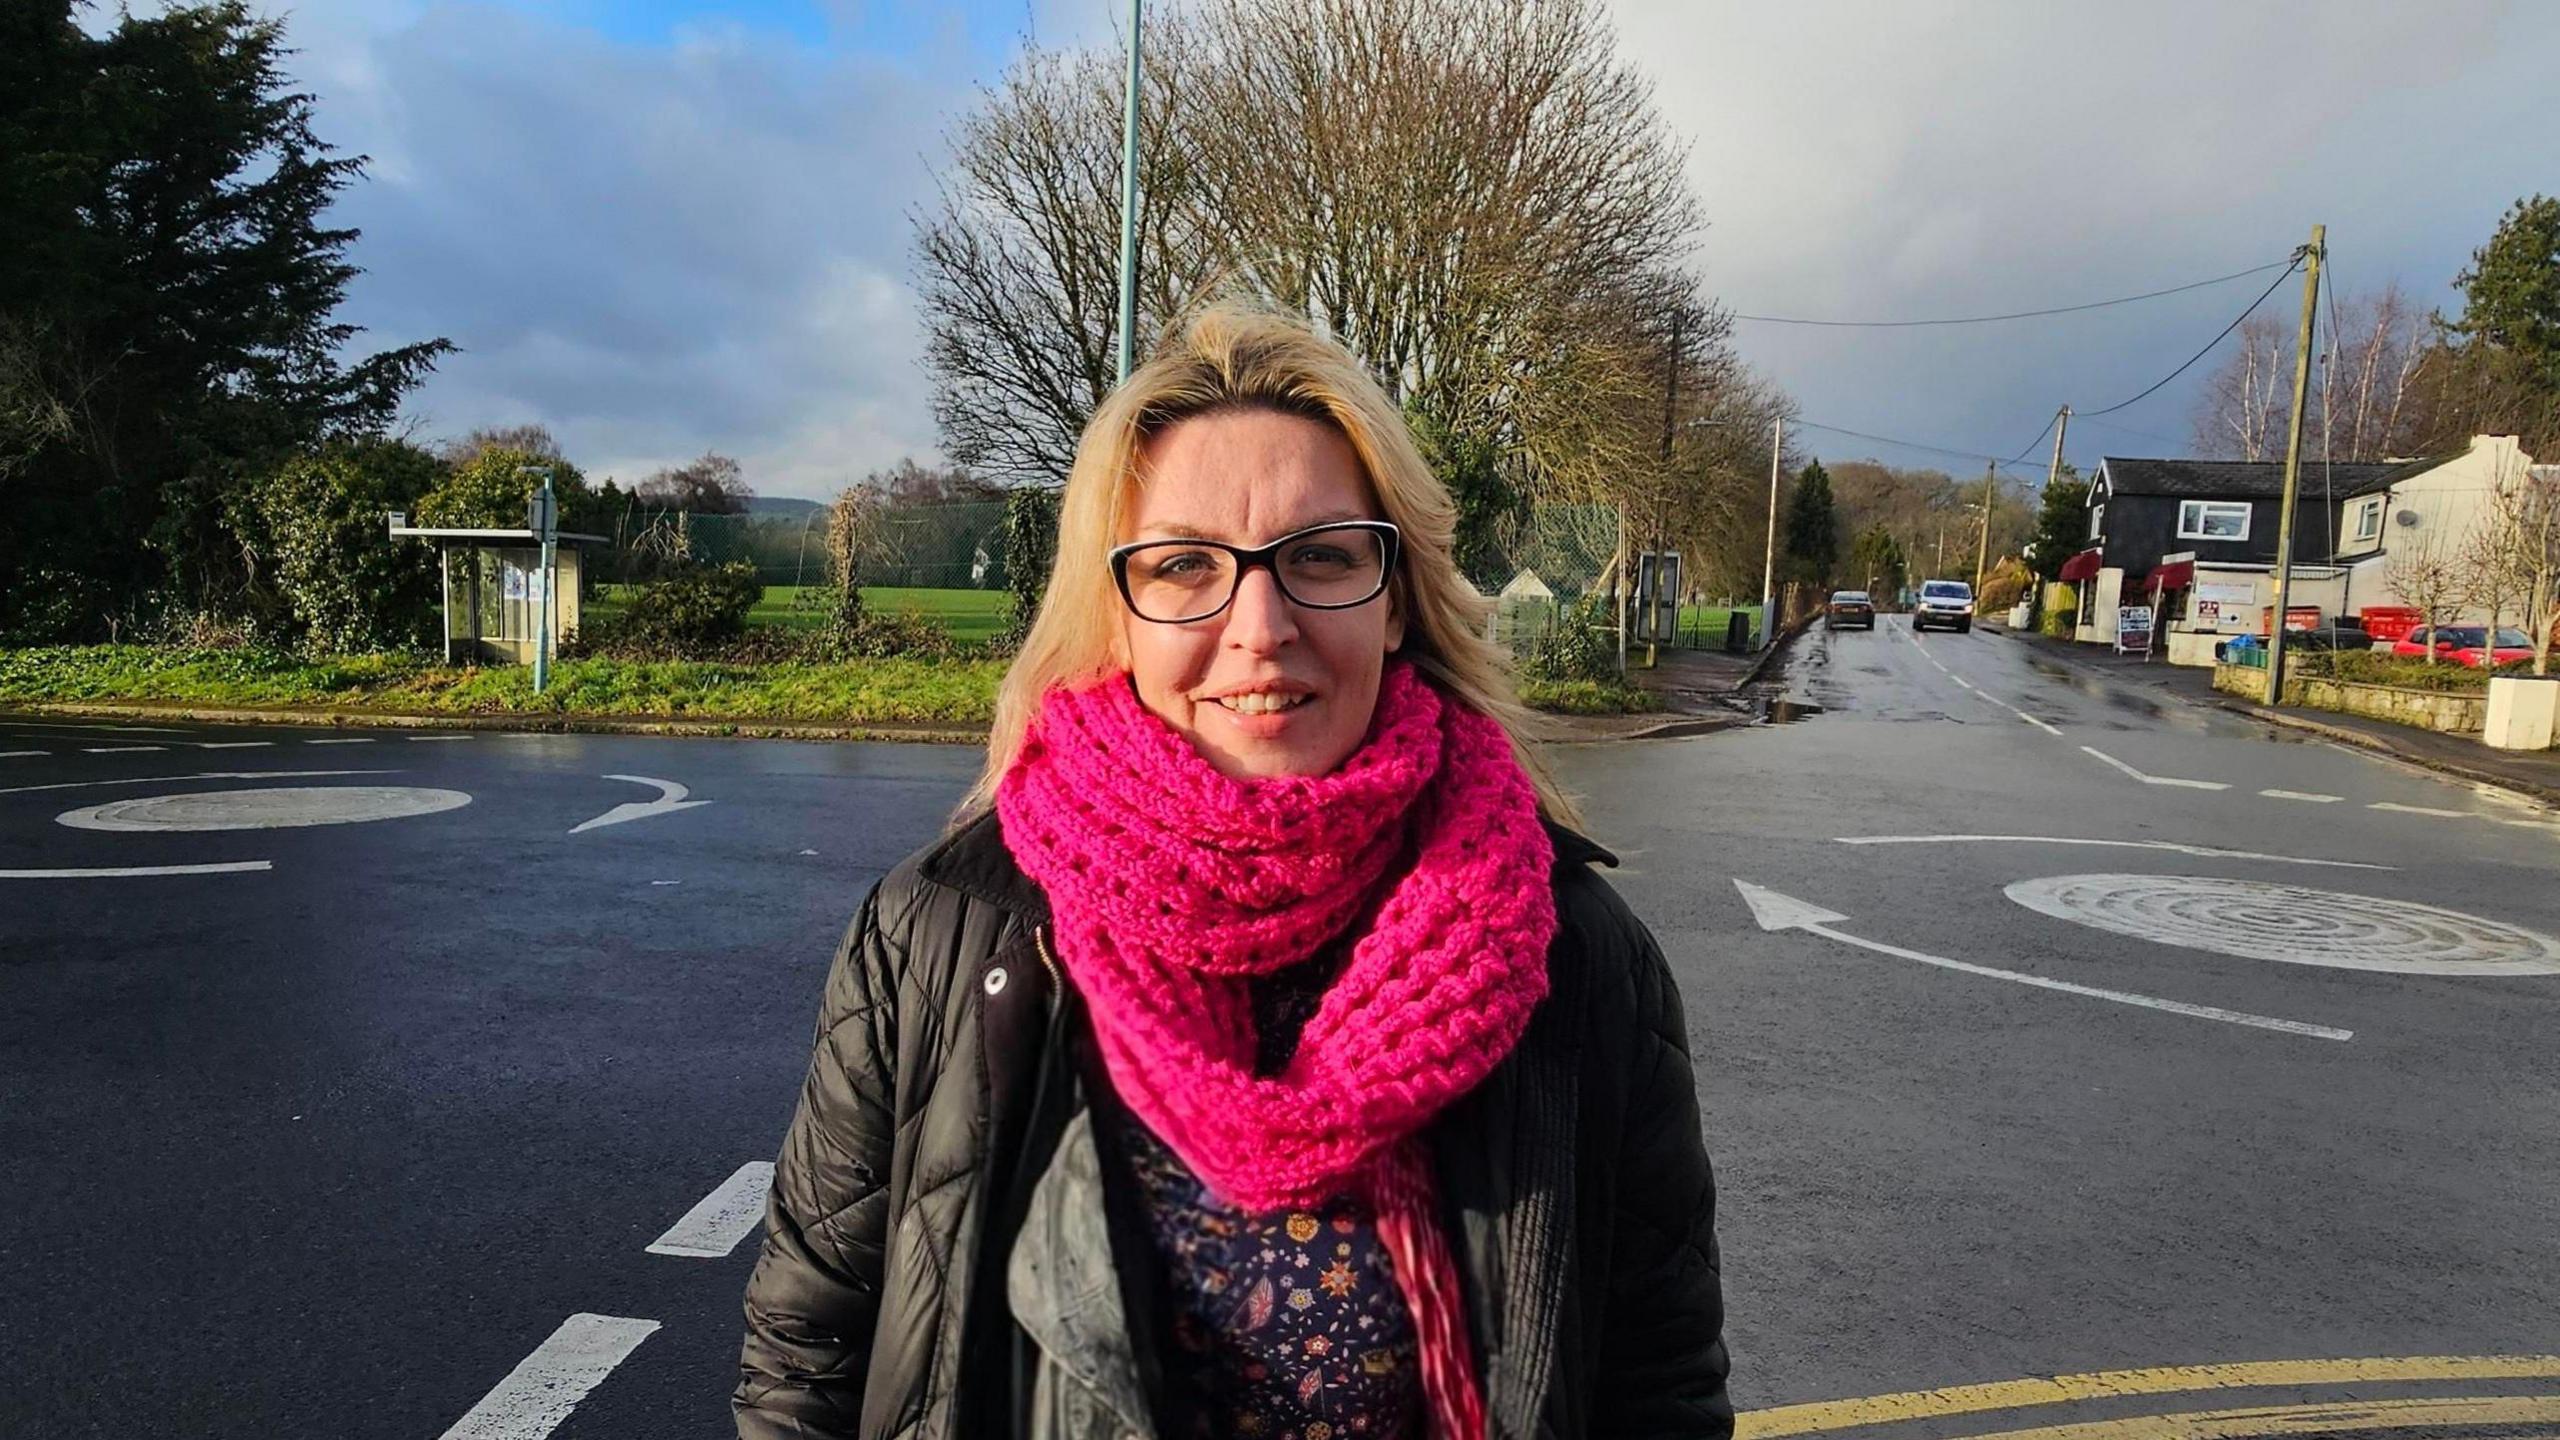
x=1259, y=1055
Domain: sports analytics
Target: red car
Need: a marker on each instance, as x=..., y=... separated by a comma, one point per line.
x=2465, y=642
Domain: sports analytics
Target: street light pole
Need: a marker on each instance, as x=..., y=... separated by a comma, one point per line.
x=1129, y=203
x=1769, y=556
x=546, y=527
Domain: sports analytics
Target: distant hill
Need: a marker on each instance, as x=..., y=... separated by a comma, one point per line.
x=782, y=505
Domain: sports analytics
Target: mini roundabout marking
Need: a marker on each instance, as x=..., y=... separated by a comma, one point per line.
x=2291, y=924
x=279, y=808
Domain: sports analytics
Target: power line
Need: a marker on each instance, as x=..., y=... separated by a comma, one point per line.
x=2032, y=444
x=1906, y=444
x=2208, y=346
x=2016, y=314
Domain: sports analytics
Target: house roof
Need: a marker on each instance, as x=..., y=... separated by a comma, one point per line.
x=2250, y=479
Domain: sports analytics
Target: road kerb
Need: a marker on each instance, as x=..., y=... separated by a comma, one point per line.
x=1828, y=1415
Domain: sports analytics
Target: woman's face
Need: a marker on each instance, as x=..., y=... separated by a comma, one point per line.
x=1248, y=477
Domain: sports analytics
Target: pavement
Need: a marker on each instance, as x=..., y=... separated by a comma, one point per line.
x=2044, y=1024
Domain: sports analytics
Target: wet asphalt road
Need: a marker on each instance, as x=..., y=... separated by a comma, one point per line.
x=328, y=1148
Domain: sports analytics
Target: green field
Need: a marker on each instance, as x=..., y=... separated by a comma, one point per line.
x=971, y=616
x=1703, y=625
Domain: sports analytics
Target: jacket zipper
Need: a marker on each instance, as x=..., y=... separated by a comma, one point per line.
x=1057, y=980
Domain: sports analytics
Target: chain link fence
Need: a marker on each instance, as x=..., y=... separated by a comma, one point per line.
x=932, y=547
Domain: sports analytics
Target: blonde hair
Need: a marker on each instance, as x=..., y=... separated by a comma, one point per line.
x=1233, y=357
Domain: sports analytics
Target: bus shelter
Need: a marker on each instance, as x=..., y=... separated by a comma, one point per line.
x=494, y=587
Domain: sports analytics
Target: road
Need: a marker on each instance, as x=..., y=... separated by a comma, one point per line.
x=336, y=1145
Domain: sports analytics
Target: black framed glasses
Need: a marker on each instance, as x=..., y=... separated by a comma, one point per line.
x=1325, y=567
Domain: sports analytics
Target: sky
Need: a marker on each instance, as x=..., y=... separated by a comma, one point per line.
x=662, y=227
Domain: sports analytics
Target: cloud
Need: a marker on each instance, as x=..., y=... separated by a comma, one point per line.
x=654, y=248
x=1914, y=160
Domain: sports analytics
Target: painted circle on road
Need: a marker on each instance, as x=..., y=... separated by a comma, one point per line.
x=283, y=808
x=2289, y=923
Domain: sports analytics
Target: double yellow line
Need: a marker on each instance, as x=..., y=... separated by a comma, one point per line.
x=2323, y=1417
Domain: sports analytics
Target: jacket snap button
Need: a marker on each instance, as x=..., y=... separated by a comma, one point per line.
x=995, y=981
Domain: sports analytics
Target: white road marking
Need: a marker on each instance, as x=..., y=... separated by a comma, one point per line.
x=119, y=749
x=670, y=800
x=199, y=775
x=231, y=744
x=2208, y=851
x=2155, y=779
x=1961, y=681
x=2398, y=809
x=715, y=1225
x=437, y=737
x=94, y=729
x=2039, y=724
x=350, y=740
x=230, y=867
x=666, y=882
x=547, y=1384
x=2290, y=924
x=18, y=754
x=2303, y=795
x=1779, y=912
x=283, y=807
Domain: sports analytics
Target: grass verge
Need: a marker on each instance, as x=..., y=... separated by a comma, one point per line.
x=1585, y=697
x=891, y=691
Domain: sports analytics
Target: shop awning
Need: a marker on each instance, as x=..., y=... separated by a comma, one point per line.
x=2177, y=575
x=2081, y=566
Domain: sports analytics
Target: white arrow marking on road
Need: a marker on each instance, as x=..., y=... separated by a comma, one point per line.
x=132, y=872
x=2154, y=779
x=670, y=800
x=715, y=1225
x=1780, y=912
x=2206, y=850
x=547, y=1384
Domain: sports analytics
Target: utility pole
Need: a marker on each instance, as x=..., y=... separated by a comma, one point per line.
x=1982, y=553
x=1769, y=559
x=1129, y=204
x=2052, y=473
x=2293, y=462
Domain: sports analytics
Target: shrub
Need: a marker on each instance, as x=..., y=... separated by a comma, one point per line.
x=1579, y=646
x=490, y=490
x=316, y=523
x=694, y=613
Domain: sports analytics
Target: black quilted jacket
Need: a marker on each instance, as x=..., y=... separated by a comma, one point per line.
x=1574, y=1179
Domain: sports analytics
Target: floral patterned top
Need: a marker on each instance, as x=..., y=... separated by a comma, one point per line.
x=1288, y=1325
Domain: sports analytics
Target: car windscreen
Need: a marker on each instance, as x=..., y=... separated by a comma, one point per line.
x=2510, y=638
x=1946, y=590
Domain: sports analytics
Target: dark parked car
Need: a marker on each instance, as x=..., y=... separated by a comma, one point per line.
x=1944, y=602
x=2344, y=635
x=1849, y=607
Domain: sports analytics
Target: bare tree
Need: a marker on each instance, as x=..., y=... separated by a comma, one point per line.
x=533, y=439
x=2511, y=559
x=2247, y=399
x=2431, y=571
x=1477, y=197
x=2365, y=388
x=711, y=485
x=1019, y=260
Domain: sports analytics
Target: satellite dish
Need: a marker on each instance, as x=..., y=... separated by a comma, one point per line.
x=2406, y=517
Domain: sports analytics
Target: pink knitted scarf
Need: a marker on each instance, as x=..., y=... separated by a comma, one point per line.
x=1170, y=883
